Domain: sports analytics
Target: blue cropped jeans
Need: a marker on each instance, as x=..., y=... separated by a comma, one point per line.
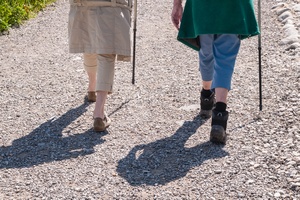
x=217, y=56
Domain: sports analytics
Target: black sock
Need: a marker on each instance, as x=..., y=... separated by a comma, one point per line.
x=220, y=107
x=206, y=93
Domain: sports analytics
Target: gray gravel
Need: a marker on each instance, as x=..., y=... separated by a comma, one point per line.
x=157, y=146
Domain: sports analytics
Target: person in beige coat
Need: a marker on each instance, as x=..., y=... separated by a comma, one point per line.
x=100, y=30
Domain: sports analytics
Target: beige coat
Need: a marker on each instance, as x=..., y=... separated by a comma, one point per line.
x=100, y=29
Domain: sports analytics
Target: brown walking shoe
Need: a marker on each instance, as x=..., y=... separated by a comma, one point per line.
x=91, y=96
x=101, y=124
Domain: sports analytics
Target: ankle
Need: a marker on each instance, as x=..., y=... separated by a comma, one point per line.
x=99, y=115
x=206, y=93
x=91, y=89
x=92, y=86
x=221, y=106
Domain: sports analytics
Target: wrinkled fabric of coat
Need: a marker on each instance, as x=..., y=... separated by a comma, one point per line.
x=100, y=30
x=217, y=17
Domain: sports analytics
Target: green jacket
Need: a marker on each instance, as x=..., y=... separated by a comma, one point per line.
x=216, y=17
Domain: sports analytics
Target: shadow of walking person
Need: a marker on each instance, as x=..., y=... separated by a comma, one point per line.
x=47, y=144
x=166, y=160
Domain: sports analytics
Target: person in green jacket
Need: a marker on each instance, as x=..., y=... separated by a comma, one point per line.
x=214, y=29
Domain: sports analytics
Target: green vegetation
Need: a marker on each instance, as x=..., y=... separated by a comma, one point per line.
x=13, y=12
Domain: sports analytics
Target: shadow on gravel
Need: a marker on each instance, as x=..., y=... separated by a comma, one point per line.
x=166, y=160
x=47, y=144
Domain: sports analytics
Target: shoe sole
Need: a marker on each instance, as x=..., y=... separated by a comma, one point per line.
x=91, y=97
x=218, y=135
x=100, y=126
x=205, y=114
x=100, y=129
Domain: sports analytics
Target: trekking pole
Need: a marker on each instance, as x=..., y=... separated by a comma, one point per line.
x=134, y=39
x=259, y=56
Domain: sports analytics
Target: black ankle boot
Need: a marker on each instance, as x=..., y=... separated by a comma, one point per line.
x=206, y=105
x=218, y=127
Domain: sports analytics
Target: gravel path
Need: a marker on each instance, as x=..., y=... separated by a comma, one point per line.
x=157, y=146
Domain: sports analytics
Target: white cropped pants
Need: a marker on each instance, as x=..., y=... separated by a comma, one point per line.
x=104, y=66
